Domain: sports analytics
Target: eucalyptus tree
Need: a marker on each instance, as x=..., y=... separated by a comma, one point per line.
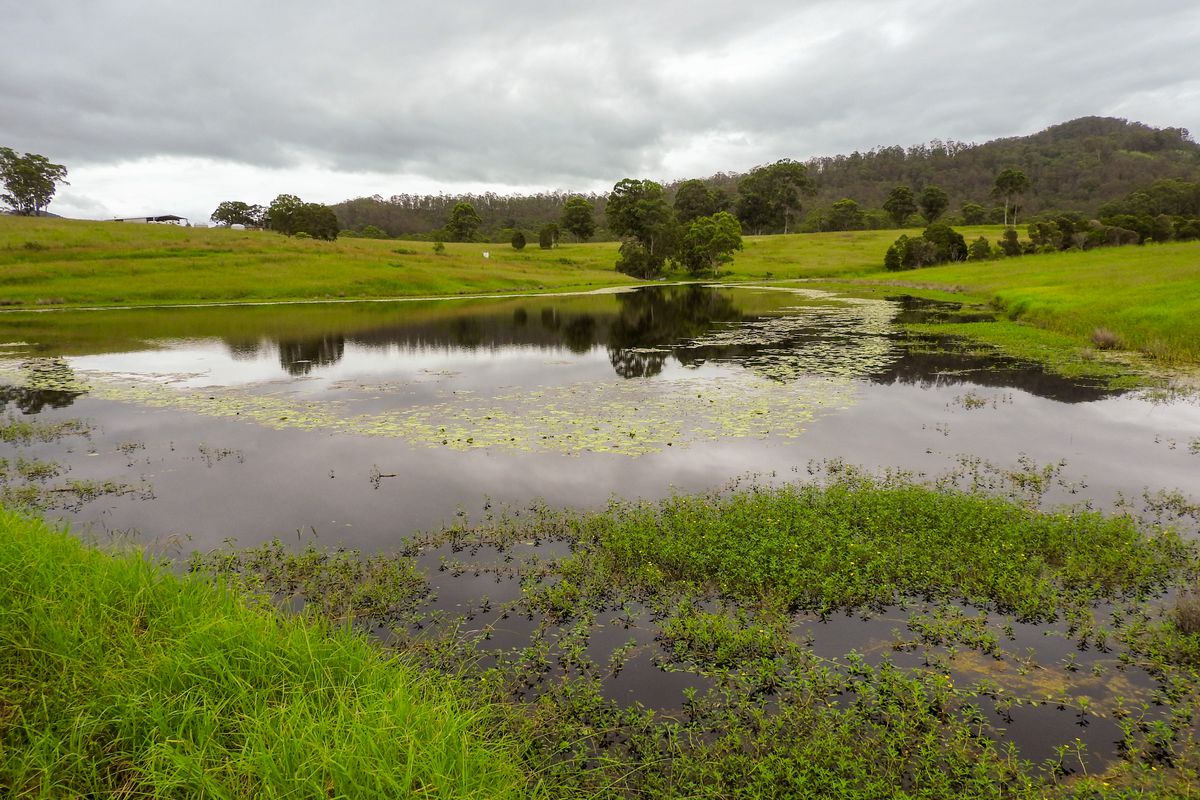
x=637, y=211
x=709, y=241
x=769, y=197
x=578, y=218
x=694, y=199
x=900, y=205
x=1010, y=184
x=933, y=201
x=464, y=221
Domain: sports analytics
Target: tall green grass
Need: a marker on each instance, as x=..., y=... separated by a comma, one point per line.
x=119, y=679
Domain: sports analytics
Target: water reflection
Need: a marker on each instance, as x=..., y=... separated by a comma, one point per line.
x=301, y=357
x=776, y=334
x=34, y=401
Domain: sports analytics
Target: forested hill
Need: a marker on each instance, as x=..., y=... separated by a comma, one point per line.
x=1075, y=166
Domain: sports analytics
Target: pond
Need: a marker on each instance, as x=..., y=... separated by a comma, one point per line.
x=359, y=424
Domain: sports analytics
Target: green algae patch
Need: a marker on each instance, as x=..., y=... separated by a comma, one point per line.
x=632, y=417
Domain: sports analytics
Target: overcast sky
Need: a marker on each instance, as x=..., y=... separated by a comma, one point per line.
x=172, y=107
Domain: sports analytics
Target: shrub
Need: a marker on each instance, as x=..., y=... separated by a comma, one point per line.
x=518, y=241
x=635, y=259
x=980, y=250
x=1009, y=243
x=1187, y=611
x=1105, y=339
x=439, y=247
x=938, y=244
x=950, y=244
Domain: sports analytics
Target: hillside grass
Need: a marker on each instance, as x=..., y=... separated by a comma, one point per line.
x=65, y=262
x=120, y=679
x=52, y=262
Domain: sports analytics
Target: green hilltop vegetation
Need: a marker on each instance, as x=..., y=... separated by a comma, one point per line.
x=1074, y=166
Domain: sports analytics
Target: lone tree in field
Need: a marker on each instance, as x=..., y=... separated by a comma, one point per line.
x=708, y=242
x=518, y=241
x=933, y=202
x=235, y=212
x=1010, y=184
x=578, y=218
x=29, y=181
x=900, y=205
x=464, y=221
x=770, y=195
x=282, y=213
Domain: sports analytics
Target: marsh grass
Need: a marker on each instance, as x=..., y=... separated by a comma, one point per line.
x=15, y=430
x=120, y=679
x=864, y=543
x=1106, y=339
x=1187, y=611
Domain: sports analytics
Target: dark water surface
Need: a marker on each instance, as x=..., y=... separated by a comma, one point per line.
x=358, y=424
x=258, y=422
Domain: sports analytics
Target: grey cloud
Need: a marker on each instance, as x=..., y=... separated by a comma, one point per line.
x=555, y=94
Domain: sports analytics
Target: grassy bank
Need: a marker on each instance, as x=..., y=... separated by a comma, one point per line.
x=1148, y=297
x=119, y=679
x=48, y=262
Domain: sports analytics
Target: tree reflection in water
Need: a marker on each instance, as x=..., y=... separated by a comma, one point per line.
x=300, y=357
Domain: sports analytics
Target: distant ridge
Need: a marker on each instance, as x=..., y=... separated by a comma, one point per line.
x=1073, y=166
x=1077, y=165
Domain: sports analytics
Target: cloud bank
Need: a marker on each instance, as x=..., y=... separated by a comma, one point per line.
x=174, y=108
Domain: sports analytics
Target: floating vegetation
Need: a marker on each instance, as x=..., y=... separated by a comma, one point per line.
x=630, y=417
x=973, y=400
x=38, y=495
x=50, y=375
x=212, y=455
x=23, y=432
x=832, y=337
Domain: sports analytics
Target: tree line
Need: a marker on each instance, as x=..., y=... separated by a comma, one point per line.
x=1166, y=210
x=1076, y=166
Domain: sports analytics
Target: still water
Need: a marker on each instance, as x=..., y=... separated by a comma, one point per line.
x=365, y=422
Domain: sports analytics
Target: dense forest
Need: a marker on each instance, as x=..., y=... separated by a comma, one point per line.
x=1075, y=166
